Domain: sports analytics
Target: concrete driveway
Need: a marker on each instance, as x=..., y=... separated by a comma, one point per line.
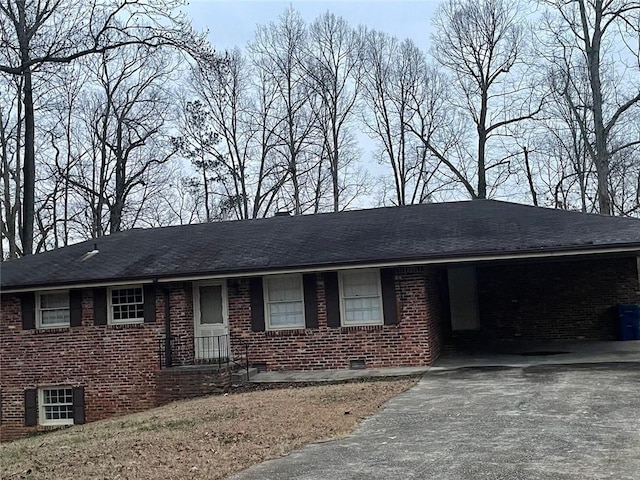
x=540, y=422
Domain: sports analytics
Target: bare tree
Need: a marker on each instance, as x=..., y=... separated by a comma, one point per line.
x=239, y=112
x=480, y=43
x=62, y=145
x=49, y=32
x=335, y=68
x=11, y=158
x=565, y=143
x=197, y=142
x=278, y=54
x=625, y=179
x=598, y=39
x=230, y=133
x=124, y=114
x=402, y=100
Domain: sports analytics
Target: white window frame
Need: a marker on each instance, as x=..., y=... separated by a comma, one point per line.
x=343, y=316
x=128, y=321
x=42, y=420
x=39, y=309
x=267, y=303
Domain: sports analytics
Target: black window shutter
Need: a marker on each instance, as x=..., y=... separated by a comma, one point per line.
x=389, y=304
x=310, y=300
x=100, y=306
x=149, y=303
x=257, y=304
x=78, y=405
x=332, y=298
x=75, y=308
x=30, y=407
x=28, y=305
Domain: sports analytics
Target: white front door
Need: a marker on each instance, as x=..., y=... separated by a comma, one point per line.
x=211, y=321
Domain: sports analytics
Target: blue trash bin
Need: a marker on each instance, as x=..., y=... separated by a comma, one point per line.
x=629, y=322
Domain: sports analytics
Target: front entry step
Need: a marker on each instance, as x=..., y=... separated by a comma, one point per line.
x=242, y=376
x=180, y=383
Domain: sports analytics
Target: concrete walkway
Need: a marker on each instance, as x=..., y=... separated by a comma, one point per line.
x=548, y=353
x=555, y=353
x=302, y=376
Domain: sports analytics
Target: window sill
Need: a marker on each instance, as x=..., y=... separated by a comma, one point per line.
x=51, y=427
x=122, y=326
x=45, y=330
x=286, y=332
x=355, y=328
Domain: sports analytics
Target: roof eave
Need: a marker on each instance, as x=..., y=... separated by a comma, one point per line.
x=539, y=253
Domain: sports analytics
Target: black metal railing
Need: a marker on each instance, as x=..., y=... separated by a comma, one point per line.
x=212, y=350
x=207, y=350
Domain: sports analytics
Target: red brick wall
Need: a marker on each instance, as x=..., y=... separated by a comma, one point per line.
x=564, y=300
x=119, y=365
x=434, y=313
x=182, y=328
x=115, y=364
x=413, y=341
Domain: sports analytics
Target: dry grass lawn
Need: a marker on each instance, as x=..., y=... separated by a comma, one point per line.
x=206, y=438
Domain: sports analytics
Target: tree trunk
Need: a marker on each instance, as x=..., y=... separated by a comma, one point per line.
x=532, y=189
x=29, y=167
x=120, y=187
x=602, y=154
x=592, y=51
x=482, y=144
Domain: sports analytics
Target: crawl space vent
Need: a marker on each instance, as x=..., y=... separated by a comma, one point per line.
x=357, y=364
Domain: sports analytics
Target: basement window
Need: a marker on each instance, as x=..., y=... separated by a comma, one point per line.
x=56, y=406
x=52, y=309
x=126, y=305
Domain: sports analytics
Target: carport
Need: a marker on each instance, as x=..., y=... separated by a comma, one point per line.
x=526, y=306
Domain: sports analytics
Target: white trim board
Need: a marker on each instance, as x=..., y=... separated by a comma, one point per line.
x=403, y=263
x=69, y=286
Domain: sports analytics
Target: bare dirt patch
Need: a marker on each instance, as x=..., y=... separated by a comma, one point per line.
x=210, y=438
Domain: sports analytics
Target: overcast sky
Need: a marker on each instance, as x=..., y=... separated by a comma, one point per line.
x=232, y=23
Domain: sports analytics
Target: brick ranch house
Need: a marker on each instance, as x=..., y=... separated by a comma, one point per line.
x=106, y=327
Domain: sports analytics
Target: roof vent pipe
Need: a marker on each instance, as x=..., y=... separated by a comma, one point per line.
x=282, y=213
x=90, y=253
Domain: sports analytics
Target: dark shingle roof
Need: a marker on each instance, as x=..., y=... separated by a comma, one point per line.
x=418, y=232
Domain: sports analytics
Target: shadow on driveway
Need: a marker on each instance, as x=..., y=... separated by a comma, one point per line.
x=540, y=422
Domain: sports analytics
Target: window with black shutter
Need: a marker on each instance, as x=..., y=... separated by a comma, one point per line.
x=53, y=309
x=54, y=406
x=361, y=296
